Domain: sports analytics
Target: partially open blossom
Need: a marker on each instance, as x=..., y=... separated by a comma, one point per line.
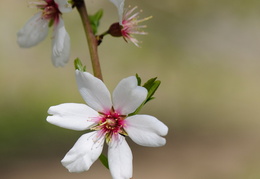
x=109, y=121
x=36, y=29
x=128, y=24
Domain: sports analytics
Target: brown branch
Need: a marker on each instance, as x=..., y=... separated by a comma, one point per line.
x=91, y=39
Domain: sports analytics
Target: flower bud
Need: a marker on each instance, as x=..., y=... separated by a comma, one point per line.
x=115, y=30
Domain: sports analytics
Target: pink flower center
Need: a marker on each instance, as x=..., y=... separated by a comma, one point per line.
x=110, y=125
x=50, y=10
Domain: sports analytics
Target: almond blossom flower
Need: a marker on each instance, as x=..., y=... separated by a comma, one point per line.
x=36, y=29
x=128, y=22
x=108, y=120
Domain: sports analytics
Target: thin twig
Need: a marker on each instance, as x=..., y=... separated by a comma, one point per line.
x=91, y=39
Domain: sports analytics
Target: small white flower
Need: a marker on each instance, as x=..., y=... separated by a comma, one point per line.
x=36, y=29
x=129, y=22
x=109, y=121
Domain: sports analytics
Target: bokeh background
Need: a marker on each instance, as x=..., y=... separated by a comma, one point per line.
x=207, y=55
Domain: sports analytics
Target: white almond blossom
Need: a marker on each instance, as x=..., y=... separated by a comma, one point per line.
x=36, y=29
x=108, y=120
x=129, y=22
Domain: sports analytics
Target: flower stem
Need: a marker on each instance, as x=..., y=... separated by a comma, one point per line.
x=91, y=39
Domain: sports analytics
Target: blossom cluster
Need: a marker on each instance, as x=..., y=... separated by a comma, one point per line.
x=106, y=118
x=36, y=28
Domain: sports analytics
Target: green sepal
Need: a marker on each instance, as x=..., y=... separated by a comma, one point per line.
x=151, y=85
x=78, y=65
x=138, y=80
x=51, y=22
x=104, y=160
x=94, y=20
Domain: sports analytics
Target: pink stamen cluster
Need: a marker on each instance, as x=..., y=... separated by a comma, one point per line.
x=110, y=125
x=130, y=25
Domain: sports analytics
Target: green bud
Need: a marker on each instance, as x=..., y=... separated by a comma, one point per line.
x=78, y=65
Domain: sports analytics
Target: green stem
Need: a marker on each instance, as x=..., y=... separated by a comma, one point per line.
x=91, y=39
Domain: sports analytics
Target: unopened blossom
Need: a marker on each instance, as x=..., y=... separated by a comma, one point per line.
x=36, y=29
x=128, y=24
x=109, y=122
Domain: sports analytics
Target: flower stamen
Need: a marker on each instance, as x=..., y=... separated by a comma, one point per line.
x=110, y=125
x=130, y=25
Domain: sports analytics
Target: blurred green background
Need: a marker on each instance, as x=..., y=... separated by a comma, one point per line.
x=207, y=55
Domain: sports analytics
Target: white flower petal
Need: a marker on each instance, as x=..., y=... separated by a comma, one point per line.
x=63, y=6
x=60, y=45
x=84, y=153
x=33, y=32
x=120, y=7
x=94, y=92
x=72, y=116
x=120, y=159
x=127, y=96
x=146, y=130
